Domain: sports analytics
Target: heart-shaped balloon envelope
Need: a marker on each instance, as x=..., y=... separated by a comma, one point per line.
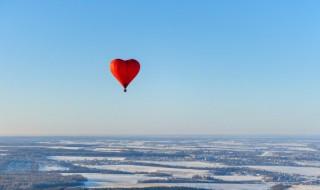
x=124, y=71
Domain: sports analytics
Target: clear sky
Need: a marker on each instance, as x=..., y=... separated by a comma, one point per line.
x=208, y=67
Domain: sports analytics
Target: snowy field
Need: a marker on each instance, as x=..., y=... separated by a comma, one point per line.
x=195, y=164
x=304, y=187
x=208, y=163
x=176, y=172
x=52, y=168
x=83, y=158
x=139, y=168
x=307, y=171
x=127, y=181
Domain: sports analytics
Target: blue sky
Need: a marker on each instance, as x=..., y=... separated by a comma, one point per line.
x=208, y=67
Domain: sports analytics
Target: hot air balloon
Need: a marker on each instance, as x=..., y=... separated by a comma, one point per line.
x=124, y=71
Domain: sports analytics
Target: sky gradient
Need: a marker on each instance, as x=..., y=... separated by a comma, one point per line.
x=207, y=67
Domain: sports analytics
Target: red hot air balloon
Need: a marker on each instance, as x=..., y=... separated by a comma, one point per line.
x=124, y=71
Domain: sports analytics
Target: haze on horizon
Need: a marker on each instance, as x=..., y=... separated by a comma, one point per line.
x=208, y=67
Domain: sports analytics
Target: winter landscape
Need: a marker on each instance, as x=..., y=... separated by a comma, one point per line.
x=221, y=163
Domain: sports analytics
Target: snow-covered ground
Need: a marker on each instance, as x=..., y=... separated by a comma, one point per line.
x=239, y=178
x=305, y=187
x=113, y=180
x=309, y=163
x=177, y=160
x=127, y=181
x=65, y=147
x=197, y=164
x=302, y=149
x=267, y=153
x=52, y=168
x=84, y=158
x=102, y=149
x=176, y=172
x=307, y=171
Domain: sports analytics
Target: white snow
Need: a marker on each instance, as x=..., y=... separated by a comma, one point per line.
x=229, y=142
x=197, y=164
x=84, y=158
x=239, y=178
x=286, y=144
x=129, y=181
x=100, y=149
x=307, y=171
x=267, y=153
x=304, y=187
x=113, y=180
x=309, y=163
x=65, y=147
x=221, y=186
x=302, y=149
x=66, y=142
x=176, y=172
x=52, y=168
